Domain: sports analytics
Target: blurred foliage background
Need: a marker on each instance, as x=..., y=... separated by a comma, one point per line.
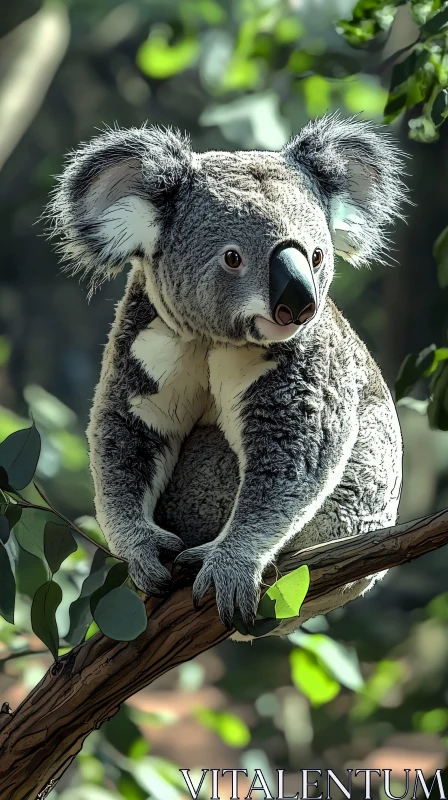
x=368, y=685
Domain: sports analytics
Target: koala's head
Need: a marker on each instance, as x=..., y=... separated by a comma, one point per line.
x=235, y=246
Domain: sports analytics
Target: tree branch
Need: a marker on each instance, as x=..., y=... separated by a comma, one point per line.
x=86, y=686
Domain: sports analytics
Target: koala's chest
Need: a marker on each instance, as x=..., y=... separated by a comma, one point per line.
x=194, y=383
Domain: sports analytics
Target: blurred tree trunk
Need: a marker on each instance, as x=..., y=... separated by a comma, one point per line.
x=31, y=55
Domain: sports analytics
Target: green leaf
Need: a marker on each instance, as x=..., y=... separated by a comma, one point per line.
x=121, y=614
x=406, y=68
x=129, y=788
x=58, y=544
x=115, y=577
x=440, y=252
x=43, y=615
x=438, y=402
x=414, y=367
x=7, y=585
x=29, y=530
x=342, y=662
x=311, y=677
x=80, y=613
x=19, y=454
x=260, y=627
x=158, y=59
x=436, y=23
x=4, y=530
x=232, y=730
x=121, y=731
x=439, y=111
x=441, y=354
x=287, y=595
x=394, y=107
x=288, y=30
x=13, y=514
x=422, y=129
x=31, y=572
x=4, y=483
x=386, y=675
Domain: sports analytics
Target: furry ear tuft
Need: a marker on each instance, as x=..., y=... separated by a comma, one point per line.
x=358, y=170
x=110, y=201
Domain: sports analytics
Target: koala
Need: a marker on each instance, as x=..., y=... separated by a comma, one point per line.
x=237, y=414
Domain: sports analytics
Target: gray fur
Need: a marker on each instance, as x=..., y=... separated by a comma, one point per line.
x=206, y=436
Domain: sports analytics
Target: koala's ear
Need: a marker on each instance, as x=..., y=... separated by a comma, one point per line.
x=110, y=200
x=358, y=171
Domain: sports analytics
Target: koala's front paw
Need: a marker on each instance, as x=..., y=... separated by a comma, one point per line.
x=235, y=576
x=145, y=568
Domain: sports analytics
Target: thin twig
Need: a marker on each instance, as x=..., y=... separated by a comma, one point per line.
x=23, y=653
x=26, y=504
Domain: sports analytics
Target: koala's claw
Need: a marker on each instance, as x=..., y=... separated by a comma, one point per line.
x=192, y=555
x=169, y=541
x=149, y=575
x=235, y=580
x=145, y=568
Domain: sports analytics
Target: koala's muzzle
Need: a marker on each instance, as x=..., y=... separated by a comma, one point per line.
x=292, y=292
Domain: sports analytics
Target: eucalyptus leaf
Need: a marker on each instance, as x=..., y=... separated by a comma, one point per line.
x=438, y=402
x=43, y=615
x=260, y=627
x=19, y=454
x=441, y=354
x=79, y=612
x=58, y=544
x=13, y=514
x=406, y=68
x=422, y=129
x=394, y=107
x=121, y=614
x=4, y=529
x=439, y=111
x=121, y=731
x=341, y=661
x=436, y=23
x=29, y=530
x=159, y=59
x=31, y=572
x=414, y=367
x=115, y=578
x=4, y=483
x=7, y=585
x=288, y=594
x=312, y=677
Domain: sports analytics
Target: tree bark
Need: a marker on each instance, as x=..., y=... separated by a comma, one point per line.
x=86, y=686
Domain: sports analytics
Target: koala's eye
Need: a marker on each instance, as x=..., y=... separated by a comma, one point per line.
x=232, y=259
x=318, y=257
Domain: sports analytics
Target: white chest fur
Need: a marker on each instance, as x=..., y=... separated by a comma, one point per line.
x=180, y=370
x=195, y=383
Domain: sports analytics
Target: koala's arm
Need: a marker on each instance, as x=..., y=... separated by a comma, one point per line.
x=134, y=443
x=297, y=427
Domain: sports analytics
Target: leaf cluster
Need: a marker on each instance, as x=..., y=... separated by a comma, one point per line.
x=35, y=541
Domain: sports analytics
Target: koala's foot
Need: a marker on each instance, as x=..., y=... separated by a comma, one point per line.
x=145, y=568
x=235, y=576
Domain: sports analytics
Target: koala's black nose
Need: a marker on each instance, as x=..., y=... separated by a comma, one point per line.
x=292, y=292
